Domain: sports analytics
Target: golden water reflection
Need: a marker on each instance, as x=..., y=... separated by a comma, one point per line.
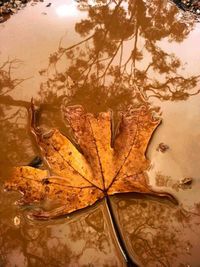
x=119, y=56
x=113, y=55
x=158, y=233
x=84, y=239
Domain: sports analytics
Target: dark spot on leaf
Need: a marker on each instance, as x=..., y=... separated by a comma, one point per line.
x=45, y=181
x=47, y=189
x=58, y=192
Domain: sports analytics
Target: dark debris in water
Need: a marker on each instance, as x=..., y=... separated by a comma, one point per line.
x=35, y=162
x=162, y=147
x=192, y=6
x=186, y=183
x=10, y=7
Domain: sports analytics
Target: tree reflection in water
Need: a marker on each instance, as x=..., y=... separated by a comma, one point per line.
x=157, y=232
x=120, y=56
x=117, y=63
x=13, y=119
x=82, y=240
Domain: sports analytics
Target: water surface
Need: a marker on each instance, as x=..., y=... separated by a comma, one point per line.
x=103, y=56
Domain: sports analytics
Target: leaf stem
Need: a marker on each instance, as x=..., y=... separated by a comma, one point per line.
x=118, y=235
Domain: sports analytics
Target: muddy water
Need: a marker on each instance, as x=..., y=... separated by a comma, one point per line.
x=101, y=57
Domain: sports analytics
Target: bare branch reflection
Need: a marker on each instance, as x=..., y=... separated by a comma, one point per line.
x=121, y=57
x=118, y=62
x=156, y=232
x=83, y=240
x=13, y=119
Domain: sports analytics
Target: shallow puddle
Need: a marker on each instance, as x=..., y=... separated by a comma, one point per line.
x=104, y=56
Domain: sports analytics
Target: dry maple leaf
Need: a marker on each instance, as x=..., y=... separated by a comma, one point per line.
x=77, y=178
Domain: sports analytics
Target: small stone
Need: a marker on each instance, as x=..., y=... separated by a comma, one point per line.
x=6, y=11
x=13, y=10
x=9, y=5
x=18, y=2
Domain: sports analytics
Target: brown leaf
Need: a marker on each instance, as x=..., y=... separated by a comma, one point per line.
x=107, y=164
